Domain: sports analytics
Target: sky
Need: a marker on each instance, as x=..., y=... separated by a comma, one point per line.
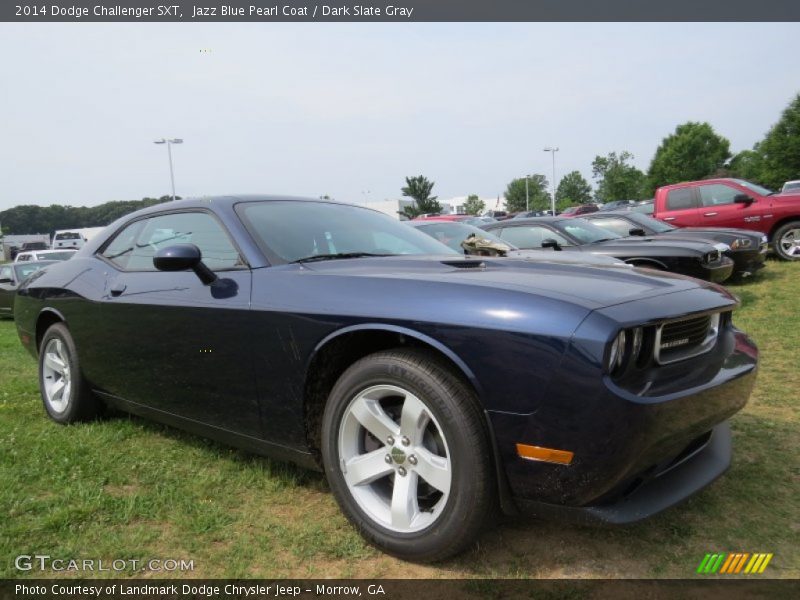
x=349, y=110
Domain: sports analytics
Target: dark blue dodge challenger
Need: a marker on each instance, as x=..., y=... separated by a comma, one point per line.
x=430, y=387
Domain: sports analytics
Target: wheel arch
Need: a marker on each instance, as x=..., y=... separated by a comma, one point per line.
x=47, y=317
x=340, y=349
x=779, y=224
x=646, y=262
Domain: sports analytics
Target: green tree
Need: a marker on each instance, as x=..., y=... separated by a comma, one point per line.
x=419, y=189
x=780, y=148
x=473, y=205
x=693, y=152
x=27, y=219
x=572, y=189
x=747, y=164
x=539, y=197
x=616, y=179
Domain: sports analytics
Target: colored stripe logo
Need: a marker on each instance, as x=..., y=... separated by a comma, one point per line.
x=734, y=563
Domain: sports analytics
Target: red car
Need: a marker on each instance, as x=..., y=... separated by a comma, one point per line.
x=581, y=209
x=734, y=203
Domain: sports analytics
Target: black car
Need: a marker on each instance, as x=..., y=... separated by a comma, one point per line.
x=11, y=275
x=456, y=235
x=687, y=257
x=747, y=249
x=429, y=386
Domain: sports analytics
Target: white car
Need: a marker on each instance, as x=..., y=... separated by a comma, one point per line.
x=36, y=255
x=791, y=186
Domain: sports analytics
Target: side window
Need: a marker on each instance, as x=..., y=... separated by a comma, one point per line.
x=531, y=237
x=133, y=249
x=716, y=194
x=680, y=199
x=619, y=226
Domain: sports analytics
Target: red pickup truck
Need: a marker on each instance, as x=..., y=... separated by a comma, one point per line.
x=733, y=203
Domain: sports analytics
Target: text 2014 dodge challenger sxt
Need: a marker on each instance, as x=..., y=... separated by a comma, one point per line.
x=424, y=383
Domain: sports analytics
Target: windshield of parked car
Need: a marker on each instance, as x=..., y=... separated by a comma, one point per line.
x=583, y=231
x=791, y=186
x=292, y=231
x=760, y=190
x=25, y=270
x=65, y=255
x=452, y=234
x=650, y=223
x=68, y=236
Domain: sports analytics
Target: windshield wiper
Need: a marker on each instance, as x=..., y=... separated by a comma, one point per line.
x=603, y=240
x=338, y=255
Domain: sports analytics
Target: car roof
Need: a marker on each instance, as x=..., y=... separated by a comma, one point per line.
x=226, y=201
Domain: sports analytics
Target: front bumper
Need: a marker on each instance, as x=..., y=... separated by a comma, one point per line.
x=626, y=439
x=681, y=478
x=747, y=262
x=720, y=271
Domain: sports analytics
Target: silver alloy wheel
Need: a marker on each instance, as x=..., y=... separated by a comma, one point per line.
x=397, y=469
x=56, y=376
x=790, y=242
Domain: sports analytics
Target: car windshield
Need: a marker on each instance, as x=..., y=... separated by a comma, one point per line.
x=650, y=222
x=452, y=234
x=66, y=255
x=68, y=236
x=791, y=186
x=761, y=191
x=583, y=231
x=292, y=231
x=28, y=269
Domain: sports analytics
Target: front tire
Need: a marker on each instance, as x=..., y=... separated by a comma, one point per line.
x=786, y=241
x=406, y=453
x=65, y=394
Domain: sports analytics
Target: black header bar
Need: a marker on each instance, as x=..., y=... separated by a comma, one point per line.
x=405, y=11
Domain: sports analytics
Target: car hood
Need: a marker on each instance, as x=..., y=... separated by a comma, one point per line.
x=650, y=243
x=590, y=287
x=786, y=197
x=567, y=258
x=722, y=234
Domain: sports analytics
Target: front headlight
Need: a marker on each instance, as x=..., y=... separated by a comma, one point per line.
x=626, y=349
x=740, y=243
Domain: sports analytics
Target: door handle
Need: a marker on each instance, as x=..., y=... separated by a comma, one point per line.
x=117, y=289
x=669, y=218
x=711, y=214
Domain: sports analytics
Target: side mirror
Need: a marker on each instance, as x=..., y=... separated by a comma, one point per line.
x=182, y=257
x=637, y=231
x=743, y=199
x=550, y=243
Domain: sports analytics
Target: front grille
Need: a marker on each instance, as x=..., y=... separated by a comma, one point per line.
x=684, y=338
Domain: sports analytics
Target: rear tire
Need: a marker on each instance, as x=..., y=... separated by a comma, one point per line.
x=407, y=456
x=65, y=394
x=786, y=241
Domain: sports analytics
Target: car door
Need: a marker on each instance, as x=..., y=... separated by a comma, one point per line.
x=169, y=342
x=681, y=207
x=8, y=288
x=720, y=210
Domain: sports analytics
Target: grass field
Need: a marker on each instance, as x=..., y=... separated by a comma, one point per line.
x=128, y=489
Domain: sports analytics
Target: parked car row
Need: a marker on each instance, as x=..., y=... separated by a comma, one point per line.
x=430, y=387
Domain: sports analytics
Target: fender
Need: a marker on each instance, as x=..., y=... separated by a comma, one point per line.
x=465, y=370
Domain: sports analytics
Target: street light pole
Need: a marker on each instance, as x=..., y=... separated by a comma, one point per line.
x=527, y=201
x=169, y=143
x=552, y=150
